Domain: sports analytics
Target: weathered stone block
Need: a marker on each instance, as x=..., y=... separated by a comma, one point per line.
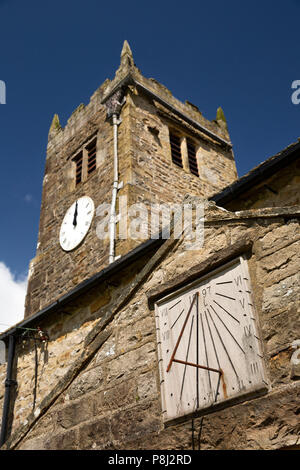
x=121, y=396
x=282, y=295
x=282, y=264
x=86, y=382
x=74, y=413
x=121, y=366
x=137, y=421
x=62, y=441
x=95, y=434
x=33, y=444
x=295, y=359
x=147, y=387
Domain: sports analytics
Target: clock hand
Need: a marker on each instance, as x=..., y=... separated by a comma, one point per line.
x=75, y=215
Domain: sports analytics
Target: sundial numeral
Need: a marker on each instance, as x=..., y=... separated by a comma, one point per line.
x=205, y=291
x=241, y=385
x=166, y=335
x=254, y=368
x=238, y=280
x=164, y=312
x=211, y=394
x=248, y=330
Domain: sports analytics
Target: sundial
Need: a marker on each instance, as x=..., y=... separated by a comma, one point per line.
x=208, y=344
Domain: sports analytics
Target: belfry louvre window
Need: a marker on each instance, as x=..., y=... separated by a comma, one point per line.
x=85, y=161
x=78, y=162
x=176, y=149
x=91, y=152
x=191, y=151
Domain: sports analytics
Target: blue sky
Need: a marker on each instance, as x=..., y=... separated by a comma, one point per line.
x=54, y=54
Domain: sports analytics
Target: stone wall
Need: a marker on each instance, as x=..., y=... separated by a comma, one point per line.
x=98, y=382
x=279, y=190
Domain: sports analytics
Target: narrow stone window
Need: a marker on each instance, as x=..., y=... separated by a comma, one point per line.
x=78, y=162
x=191, y=151
x=91, y=152
x=176, y=149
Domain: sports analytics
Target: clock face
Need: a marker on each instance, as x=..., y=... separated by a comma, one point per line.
x=208, y=346
x=76, y=223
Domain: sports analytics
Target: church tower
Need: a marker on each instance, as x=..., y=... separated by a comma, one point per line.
x=134, y=142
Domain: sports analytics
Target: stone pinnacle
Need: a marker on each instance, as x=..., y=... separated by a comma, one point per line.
x=55, y=126
x=126, y=55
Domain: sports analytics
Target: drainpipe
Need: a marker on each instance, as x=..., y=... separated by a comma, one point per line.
x=113, y=106
x=113, y=218
x=9, y=382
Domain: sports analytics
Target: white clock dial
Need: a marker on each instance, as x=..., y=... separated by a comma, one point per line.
x=208, y=344
x=76, y=223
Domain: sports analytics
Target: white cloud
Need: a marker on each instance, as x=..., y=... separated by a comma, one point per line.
x=12, y=298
